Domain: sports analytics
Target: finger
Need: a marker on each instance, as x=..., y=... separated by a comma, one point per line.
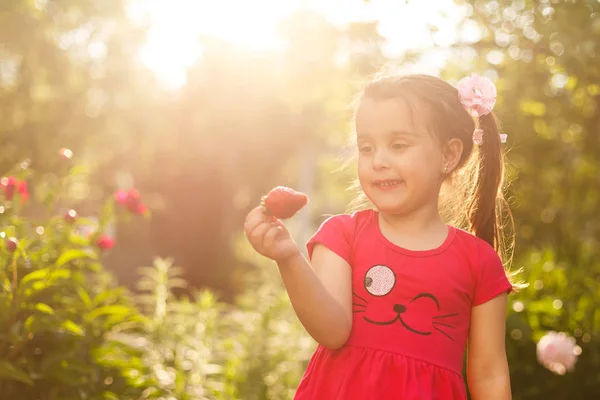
x=270, y=238
x=279, y=223
x=255, y=218
x=258, y=233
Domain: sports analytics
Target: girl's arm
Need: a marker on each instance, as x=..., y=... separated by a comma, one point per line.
x=487, y=367
x=321, y=295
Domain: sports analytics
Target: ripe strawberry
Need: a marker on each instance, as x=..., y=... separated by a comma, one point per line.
x=283, y=202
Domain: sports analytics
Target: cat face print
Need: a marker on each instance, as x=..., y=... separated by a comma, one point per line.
x=386, y=301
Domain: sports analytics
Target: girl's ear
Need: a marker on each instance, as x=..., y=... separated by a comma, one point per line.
x=452, y=152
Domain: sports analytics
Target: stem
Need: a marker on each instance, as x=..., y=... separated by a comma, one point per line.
x=14, y=275
x=12, y=315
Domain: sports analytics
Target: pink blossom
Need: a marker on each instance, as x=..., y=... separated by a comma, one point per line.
x=131, y=200
x=9, y=184
x=477, y=94
x=478, y=136
x=558, y=352
x=121, y=196
x=105, y=242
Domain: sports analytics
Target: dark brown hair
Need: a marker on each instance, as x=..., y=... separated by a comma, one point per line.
x=473, y=198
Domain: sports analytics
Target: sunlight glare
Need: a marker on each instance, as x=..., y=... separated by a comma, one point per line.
x=176, y=26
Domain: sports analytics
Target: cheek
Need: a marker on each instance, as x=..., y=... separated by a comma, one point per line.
x=362, y=168
x=422, y=161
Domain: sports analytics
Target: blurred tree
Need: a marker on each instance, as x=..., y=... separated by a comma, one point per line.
x=546, y=57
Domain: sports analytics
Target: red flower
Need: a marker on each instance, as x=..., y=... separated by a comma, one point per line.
x=70, y=216
x=9, y=184
x=105, y=242
x=132, y=200
x=11, y=244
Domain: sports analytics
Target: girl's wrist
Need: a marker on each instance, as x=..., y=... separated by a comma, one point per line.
x=287, y=261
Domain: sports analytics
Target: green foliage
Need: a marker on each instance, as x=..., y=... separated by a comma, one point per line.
x=546, y=60
x=200, y=348
x=67, y=332
x=57, y=306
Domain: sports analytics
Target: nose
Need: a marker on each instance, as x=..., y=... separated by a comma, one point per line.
x=380, y=159
x=399, y=308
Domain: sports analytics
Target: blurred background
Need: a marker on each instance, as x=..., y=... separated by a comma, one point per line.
x=203, y=106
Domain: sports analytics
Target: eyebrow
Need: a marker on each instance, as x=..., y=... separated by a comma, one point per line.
x=392, y=133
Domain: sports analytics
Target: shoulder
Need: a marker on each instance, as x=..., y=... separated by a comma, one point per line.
x=480, y=253
x=486, y=268
x=338, y=233
x=474, y=245
x=348, y=222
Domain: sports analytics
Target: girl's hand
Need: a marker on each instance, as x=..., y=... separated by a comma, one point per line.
x=269, y=236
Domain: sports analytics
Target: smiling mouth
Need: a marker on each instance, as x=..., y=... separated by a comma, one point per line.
x=388, y=183
x=398, y=318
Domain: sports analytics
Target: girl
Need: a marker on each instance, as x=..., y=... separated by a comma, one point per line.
x=392, y=293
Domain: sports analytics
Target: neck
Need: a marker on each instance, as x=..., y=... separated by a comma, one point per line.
x=420, y=229
x=421, y=219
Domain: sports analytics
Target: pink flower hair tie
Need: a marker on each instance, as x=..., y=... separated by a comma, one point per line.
x=477, y=94
x=478, y=136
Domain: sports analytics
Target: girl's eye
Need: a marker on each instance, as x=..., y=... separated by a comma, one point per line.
x=399, y=146
x=364, y=149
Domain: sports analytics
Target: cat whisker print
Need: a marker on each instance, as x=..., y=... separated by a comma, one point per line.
x=445, y=316
x=359, y=304
x=358, y=298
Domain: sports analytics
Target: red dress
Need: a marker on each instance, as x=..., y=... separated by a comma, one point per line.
x=411, y=314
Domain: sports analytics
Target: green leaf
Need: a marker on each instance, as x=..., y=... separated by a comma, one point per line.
x=9, y=371
x=39, y=323
x=84, y=296
x=35, y=275
x=72, y=327
x=45, y=308
x=109, y=310
x=45, y=273
x=40, y=280
x=73, y=254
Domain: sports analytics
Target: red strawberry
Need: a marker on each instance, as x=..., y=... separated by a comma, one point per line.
x=283, y=202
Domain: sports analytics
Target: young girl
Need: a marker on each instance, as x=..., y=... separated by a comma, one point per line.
x=392, y=294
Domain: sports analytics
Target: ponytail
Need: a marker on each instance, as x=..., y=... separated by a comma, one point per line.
x=483, y=206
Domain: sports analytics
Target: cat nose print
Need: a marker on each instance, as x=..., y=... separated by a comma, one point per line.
x=399, y=308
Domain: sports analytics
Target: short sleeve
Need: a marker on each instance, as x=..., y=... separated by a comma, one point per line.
x=490, y=276
x=334, y=233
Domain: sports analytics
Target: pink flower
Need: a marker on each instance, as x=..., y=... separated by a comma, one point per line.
x=132, y=200
x=558, y=352
x=9, y=184
x=478, y=136
x=477, y=94
x=105, y=242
